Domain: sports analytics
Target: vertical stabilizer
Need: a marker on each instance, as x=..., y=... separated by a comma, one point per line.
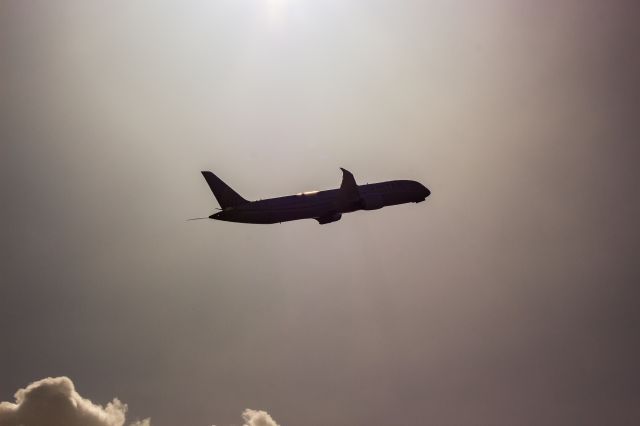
x=226, y=196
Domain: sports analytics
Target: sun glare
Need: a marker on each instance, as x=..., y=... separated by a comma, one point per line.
x=276, y=12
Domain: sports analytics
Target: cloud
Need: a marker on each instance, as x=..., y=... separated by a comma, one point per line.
x=257, y=418
x=55, y=402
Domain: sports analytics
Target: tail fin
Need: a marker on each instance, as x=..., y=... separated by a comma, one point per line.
x=226, y=196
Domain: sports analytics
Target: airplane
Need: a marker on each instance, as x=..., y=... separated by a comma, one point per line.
x=324, y=206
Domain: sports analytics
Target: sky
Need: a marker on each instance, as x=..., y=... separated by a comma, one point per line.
x=508, y=297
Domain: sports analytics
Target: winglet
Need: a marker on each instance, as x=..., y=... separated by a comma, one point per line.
x=347, y=179
x=349, y=187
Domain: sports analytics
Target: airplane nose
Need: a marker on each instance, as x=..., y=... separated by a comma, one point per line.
x=422, y=192
x=425, y=191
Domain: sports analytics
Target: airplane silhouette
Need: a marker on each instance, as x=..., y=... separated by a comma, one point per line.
x=323, y=206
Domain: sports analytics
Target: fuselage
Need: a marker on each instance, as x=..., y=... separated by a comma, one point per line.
x=325, y=206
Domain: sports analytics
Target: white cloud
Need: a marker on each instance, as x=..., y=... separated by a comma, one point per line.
x=257, y=418
x=55, y=402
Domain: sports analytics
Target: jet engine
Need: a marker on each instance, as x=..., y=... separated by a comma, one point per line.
x=372, y=201
x=334, y=217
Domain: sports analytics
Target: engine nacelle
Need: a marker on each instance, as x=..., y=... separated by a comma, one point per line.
x=329, y=218
x=372, y=201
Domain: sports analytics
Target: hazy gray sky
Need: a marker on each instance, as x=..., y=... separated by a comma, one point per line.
x=509, y=297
